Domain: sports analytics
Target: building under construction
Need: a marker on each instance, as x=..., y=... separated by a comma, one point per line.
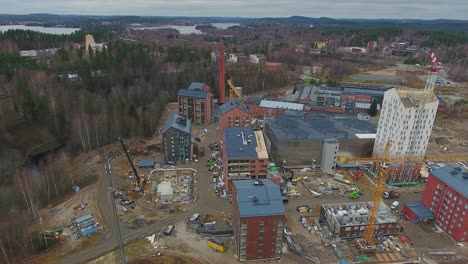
x=350, y=220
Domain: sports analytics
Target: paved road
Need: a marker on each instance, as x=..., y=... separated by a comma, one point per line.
x=207, y=203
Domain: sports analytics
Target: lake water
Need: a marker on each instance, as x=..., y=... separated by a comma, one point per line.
x=49, y=30
x=189, y=29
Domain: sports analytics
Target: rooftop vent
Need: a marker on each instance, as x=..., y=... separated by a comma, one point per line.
x=454, y=172
x=465, y=175
x=258, y=183
x=253, y=198
x=458, y=169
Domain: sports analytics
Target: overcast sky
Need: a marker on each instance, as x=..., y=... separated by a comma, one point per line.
x=418, y=9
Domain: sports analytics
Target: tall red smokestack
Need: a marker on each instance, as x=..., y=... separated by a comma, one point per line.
x=222, y=92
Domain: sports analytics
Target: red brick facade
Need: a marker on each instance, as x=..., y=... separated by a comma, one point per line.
x=234, y=118
x=449, y=208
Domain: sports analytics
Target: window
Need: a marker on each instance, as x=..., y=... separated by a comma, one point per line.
x=262, y=222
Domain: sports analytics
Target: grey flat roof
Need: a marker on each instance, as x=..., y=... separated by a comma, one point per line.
x=230, y=105
x=177, y=122
x=258, y=200
x=192, y=93
x=363, y=90
x=253, y=100
x=454, y=181
x=238, y=147
x=196, y=86
x=295, y=127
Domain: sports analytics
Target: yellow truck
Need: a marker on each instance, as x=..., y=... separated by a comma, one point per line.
x=216, y=246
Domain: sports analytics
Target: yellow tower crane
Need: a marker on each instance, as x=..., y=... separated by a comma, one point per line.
x=381, y=179
x=233, y=90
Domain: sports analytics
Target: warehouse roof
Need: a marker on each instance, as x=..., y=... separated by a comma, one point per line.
x=454, y=178
x=230, y=105
x=296, y=127
x=178, y=122
x=240, y=142
x=281, y=105
x=192, y=93
x=258, y=198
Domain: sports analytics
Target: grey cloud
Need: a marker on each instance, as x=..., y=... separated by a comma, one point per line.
x=418, y=9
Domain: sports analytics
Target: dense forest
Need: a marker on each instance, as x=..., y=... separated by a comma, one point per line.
x=82, y=99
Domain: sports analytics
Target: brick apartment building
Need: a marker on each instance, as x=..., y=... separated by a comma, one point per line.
x=258, y=219
x=446, y=196
x=196, y=103
x=177, y=138
x=245, y=155
x=234, y=114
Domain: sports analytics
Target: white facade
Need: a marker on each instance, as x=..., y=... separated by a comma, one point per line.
x=232, y=58
x=406, y=118
x=330, y=148
x=257, y=58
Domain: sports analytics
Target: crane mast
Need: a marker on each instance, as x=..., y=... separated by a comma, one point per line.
x=433, y=72
x=381, y=179
x=131, y=162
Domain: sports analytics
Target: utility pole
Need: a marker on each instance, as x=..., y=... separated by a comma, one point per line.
x=114, y=209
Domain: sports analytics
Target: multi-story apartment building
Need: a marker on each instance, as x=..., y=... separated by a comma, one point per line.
x=406, y=119
x=234, y=114
x=245, y=155
x=196, y=103
x=258, y=219
x=177, y=138
x=446, y=196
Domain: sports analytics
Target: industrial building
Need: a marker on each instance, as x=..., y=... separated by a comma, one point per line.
x=406, y=119
x=234, y=114
x=446, y=196
x=299, y=140
x=196, y=103
x=350, y=220
x=177, y=138
x=262, y=107
x=244, y=154
x=258, y=219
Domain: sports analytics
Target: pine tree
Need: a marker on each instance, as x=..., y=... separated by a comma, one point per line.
x=373, y=108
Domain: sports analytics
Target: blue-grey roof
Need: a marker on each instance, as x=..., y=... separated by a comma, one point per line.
x=454, y=180
x=84, y=218
x=262, y=199
x=196, y=86
x=178, y=122
x=420, y=210
x=237, y=143
x=192, y=93
x=290, y=126
x=146, y=163
x=230, y=105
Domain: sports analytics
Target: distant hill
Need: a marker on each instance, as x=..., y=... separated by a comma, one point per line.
x=82, y=20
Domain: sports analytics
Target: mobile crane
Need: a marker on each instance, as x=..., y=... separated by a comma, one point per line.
x=381, y=178
x=139, y=183
x=233, y=91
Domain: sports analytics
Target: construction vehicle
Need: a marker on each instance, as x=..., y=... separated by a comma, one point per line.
x=355, y=194
x=138, y=183
x=216, y=245
x=53, y=233
x=391, y=195
x=233, y=91
x=380, y=183
x=357, y=175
